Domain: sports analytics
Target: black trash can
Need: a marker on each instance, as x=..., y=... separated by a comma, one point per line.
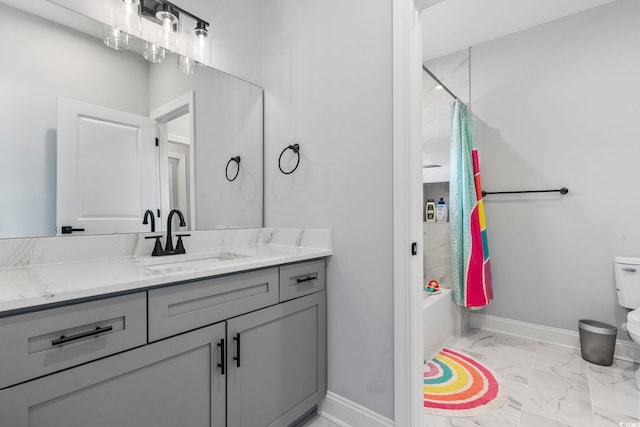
x=597, y=341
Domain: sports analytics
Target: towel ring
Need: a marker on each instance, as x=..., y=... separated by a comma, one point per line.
x=296, y=149
x=226, y=170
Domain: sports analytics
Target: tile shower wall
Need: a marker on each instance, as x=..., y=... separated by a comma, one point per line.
x=437, y=265
x=453, y=71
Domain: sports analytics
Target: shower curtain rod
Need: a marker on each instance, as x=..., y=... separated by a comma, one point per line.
x=433, y=76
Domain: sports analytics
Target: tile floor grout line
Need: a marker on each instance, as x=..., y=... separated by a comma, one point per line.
x=593, y=415
x=491, y=343
x=526, y=393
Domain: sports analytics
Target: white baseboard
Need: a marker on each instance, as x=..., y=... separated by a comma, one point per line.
x=625, y=350
x=346, y=413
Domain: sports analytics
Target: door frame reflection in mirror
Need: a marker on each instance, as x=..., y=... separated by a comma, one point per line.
x=178, y=107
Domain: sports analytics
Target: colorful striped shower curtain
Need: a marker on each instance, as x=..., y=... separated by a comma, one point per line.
x=470, y=267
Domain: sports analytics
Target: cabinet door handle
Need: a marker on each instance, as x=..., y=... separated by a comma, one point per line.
x=81, y=335
x=237, y=356
x=306, y=279
x=222, y=356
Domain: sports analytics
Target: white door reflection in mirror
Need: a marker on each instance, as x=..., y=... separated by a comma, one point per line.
x=107, y=169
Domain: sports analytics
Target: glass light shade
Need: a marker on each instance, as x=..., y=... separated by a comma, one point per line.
x=127, y=17
x=167, y=17
x=169, y=33
x=201, y=34
x=153, y=53
x=115, y=38
x=186, y=65
x=200, y=31
x=200, y=49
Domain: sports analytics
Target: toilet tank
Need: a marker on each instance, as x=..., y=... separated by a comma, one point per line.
x=627, y=272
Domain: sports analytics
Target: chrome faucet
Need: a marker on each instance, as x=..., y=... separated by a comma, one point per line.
x=168, y=247
x=149, y=214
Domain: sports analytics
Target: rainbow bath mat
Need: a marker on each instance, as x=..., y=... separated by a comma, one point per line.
x=457, y=385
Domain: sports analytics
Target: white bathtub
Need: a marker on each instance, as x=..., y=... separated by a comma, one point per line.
x=440, y=316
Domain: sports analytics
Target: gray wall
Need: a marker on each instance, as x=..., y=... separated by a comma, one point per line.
x=328, y=86
x=557, y=106
x=41, y=62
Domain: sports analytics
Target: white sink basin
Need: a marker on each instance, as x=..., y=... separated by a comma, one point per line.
x=189, y=261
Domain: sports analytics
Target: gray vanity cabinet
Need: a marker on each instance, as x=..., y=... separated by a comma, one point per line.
x=175, y=382
x=224, y=351
x=276, y=363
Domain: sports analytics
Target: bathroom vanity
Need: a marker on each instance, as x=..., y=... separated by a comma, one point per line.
x=198, y=348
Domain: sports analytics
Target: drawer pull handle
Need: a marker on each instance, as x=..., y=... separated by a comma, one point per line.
x=306, y=279
x=81, y=335
x=222, y=353
x=237, y=356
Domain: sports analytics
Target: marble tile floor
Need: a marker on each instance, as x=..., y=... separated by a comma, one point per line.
x=548, y=386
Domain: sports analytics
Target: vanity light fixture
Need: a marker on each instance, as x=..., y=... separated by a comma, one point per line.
x=169, y=15
x=170, y=29
x=177, y=36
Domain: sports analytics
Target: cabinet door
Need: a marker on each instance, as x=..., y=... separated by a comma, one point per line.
x=170, y=383
x=277, y=363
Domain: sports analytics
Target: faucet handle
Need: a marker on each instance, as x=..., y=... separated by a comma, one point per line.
x=157, y=248
x=179, y=245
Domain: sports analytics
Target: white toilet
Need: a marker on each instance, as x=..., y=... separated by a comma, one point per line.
x=627, y=271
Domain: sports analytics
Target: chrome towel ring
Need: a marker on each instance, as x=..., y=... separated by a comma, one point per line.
x=296, y=149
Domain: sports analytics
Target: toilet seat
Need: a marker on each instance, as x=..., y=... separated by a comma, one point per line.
x=634, y=317
x=633, y=325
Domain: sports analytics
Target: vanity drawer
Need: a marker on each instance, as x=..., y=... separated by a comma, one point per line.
x=183, y=307
x=46, y=341
x=301, y=279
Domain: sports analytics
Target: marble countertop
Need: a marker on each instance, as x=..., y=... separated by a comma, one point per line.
x=33, y=285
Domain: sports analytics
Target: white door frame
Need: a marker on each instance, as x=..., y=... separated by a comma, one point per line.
x=163, y=114
x=182, y=179
x=407, y=218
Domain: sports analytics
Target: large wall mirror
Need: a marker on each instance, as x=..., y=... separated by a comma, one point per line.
x=79, y=128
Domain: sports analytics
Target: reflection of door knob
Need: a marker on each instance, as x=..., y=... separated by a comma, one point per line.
x=67, y=229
